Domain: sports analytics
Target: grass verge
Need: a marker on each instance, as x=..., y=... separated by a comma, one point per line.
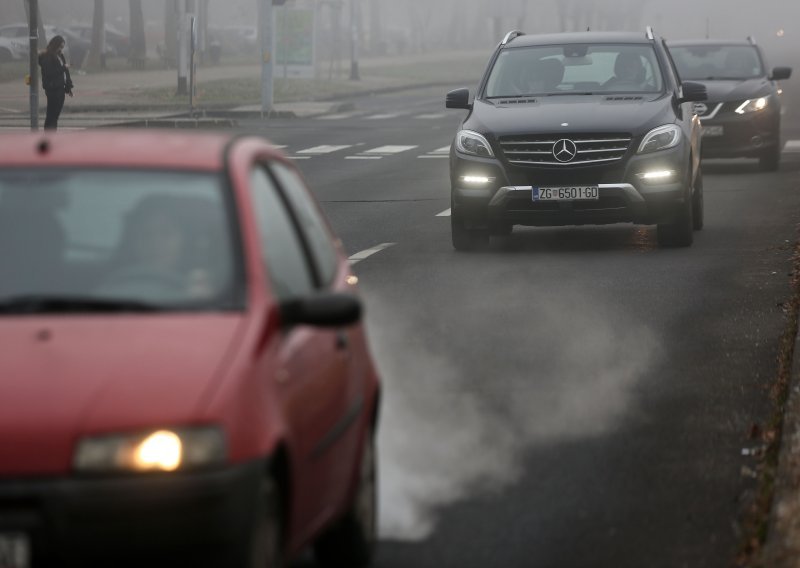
x=755, y=523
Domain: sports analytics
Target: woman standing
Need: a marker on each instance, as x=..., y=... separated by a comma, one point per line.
x=56, y=80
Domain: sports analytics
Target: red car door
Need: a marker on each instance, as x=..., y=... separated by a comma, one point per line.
x=313, y=365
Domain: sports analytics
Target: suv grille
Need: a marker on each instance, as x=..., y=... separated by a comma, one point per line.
x=541, y=150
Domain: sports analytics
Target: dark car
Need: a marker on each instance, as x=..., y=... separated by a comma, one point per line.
x=577, y=128
x=742, y=117
x=184, y=379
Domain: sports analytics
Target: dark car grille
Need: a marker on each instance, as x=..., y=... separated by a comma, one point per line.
x=540, y=150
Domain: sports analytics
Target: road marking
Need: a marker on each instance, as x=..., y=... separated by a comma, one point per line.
x=389, y=150
x=383, y=116
x=443, y=152
x=279, y=146
x=364, y=254
x=445, y=213
x=319, y=150
x=792, y=146
x=340, y=116
x=432, y=116
x=363, y=157
x=299, y=157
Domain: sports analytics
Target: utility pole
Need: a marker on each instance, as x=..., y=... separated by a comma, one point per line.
x=354, y=75
x=266, y=28
x=33, y=33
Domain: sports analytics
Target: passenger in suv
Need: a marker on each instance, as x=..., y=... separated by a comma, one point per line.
x=742, y=117
x=580, y=128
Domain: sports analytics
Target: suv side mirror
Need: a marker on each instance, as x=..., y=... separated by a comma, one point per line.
x=458, y=99
x=321, y=310
x=781, y=73
x=693, y=92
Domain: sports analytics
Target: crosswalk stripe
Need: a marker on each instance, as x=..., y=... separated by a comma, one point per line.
x=792, y=146
x=363, y=157
x=432, y=116
x=445, y=213
x=389, y=150
x=383, y=116
x=325, y=149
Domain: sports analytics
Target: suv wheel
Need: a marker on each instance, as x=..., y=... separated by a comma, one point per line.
x=770, y=160
x=679, y=233
x=467, y=239
x=698, y=207
x=351, y=541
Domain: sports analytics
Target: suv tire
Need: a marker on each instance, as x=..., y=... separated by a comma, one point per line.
x=679, y=233
x=770, y=160
x=467, y=239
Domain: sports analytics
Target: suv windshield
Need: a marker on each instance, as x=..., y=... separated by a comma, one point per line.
x=90, y=240
x=710, y=62
x=574, y=69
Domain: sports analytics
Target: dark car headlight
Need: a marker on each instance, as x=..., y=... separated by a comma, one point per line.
x=753, y=105
x=661, y=138
x=155, y=450
x=473, y=143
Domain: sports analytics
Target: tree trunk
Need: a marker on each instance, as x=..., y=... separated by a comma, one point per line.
x=138, y=53
x=97, y=58
x=170, y=52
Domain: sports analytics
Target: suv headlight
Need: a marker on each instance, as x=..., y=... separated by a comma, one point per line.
x=661, y=138
x=470, y=142
x=155, y=450
x=753, y=105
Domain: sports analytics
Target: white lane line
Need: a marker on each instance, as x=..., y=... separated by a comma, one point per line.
x=445, y=213
x=325, y=149
x=432, y=157
x=792, y=146
x=388, y=150
x=299, y=157
x=340, y=116
x=359, y=256
x=432, y=116
x=363, y=157
x=383, y=116
x=442, y=150
x=279, y=146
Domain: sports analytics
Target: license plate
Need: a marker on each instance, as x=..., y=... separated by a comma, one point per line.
x=713, y=130
x=15, y=550
x=571, y=193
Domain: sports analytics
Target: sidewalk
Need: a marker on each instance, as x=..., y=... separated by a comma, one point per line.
x=126, y=97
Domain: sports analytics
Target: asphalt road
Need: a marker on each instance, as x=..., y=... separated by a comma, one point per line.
x=572, y=396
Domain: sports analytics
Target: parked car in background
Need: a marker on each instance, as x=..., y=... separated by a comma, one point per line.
x=19, y=33
x=185, y=376
x=118, y=44
x=12, y=49
x=742, y=117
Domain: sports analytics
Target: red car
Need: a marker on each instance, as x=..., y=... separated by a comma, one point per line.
x=183, y=376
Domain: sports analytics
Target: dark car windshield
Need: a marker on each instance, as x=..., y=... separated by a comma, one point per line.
x=110, y=240
x=574, y=69
x=717, y=62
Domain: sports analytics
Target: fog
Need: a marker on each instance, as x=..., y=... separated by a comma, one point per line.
x=418, y=26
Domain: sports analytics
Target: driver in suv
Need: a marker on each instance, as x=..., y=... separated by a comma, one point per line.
x=577, y=128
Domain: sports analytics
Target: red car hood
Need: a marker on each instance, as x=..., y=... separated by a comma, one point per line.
x=65, y=377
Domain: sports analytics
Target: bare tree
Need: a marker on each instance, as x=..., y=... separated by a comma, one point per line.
x=96, y=59
x=138, y=52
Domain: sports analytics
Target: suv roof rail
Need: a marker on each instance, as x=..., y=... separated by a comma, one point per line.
x=649, y=33
x=510, y=36
x=752, y=40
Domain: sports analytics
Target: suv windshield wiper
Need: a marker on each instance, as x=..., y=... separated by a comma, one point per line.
x=42, y=304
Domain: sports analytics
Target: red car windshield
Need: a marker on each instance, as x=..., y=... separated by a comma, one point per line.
x=89, y=240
